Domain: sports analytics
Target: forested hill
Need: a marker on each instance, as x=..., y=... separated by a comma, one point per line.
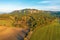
x=28, y=17
x=27, y=11
x=55, y=13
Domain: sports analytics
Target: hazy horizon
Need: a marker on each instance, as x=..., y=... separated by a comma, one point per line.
x=11, y=5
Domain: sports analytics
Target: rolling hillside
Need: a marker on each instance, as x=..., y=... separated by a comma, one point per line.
x=29, y=19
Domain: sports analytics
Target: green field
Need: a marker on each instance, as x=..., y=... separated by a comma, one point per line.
x=50, y=32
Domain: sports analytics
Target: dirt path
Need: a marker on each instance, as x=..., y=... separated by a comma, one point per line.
x=11, y=33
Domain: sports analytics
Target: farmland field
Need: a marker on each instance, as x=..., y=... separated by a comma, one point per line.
x=50, y=32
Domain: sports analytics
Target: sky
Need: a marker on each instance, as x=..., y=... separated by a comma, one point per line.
x=11, y=5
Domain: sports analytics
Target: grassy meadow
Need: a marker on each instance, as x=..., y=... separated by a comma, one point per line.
x=48, y=32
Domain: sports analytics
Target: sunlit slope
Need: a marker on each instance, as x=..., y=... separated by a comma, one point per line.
x=6, y=23
x=50, y=32
x=11, y=33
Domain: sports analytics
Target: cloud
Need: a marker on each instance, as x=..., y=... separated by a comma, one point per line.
x=48, y=8
x=43, y=2
x=52, y=5
x=51, y=8
x=51, y=2
x=42, y=5
x=8, y=8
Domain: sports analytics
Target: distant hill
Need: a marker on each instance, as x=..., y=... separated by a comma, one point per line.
x=55, y=12
x=24, y=16
x=32, y=11
x=35, y=11
x=1, y=12
x=26, y=11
